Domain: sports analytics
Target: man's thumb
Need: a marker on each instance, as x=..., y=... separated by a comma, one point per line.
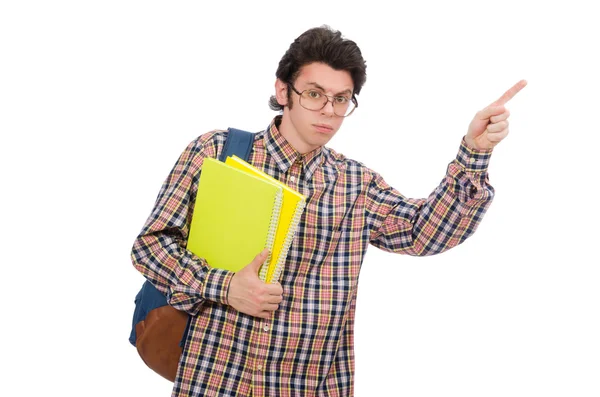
x=259, y=260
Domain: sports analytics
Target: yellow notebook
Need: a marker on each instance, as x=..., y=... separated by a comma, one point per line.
x=291, y=211
x=235, y=216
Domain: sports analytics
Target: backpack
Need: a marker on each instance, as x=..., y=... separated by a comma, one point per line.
x=158, y=330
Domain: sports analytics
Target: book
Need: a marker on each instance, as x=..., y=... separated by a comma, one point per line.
x=291, y=210
x=235, y=216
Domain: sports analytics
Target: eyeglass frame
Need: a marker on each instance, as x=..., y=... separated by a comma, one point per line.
x=329, y=99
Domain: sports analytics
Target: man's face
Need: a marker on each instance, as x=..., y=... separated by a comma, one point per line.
x=307, y=129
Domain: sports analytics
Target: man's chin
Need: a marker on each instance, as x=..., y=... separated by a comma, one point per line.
x=322, y=139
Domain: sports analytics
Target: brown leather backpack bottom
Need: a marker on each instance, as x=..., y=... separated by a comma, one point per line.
x=158, y=337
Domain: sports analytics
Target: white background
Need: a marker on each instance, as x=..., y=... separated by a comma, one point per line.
x=98, y=99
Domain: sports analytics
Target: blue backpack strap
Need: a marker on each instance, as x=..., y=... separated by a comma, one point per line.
x=239, y=143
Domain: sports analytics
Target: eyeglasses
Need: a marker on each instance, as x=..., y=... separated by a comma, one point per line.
x=312, y=99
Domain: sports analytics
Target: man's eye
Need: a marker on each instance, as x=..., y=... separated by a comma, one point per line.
x=314, y=94
x=341, y=99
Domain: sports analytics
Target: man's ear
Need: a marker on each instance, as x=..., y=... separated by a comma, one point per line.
x=281, y=92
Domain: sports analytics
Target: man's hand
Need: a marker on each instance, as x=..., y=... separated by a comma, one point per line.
x=490, y=125
x=248, y=294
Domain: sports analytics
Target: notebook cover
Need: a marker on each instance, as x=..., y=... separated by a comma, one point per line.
x=235, y=216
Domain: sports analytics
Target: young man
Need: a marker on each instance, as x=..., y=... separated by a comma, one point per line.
x=248, y=338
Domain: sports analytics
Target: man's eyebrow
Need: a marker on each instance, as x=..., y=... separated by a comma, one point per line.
x=347, y=91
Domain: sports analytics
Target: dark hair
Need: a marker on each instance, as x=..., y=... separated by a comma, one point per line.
x=324, y=45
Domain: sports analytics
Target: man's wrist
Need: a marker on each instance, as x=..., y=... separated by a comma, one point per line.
x=470, y=143
x=473, y=160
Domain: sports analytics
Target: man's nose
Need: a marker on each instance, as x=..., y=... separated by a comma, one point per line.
x=328, y=108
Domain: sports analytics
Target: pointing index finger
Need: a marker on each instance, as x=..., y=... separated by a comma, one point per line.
x=508, y=95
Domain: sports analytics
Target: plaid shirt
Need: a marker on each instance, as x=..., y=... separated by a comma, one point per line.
x=306, y=348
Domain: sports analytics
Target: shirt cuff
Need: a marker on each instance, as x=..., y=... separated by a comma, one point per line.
x=473, y=160
x=216, y=285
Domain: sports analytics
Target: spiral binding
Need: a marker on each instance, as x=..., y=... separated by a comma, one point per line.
x=271, y=234
x=288, y=241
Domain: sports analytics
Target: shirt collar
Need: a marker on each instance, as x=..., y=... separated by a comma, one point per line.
x=285, y=155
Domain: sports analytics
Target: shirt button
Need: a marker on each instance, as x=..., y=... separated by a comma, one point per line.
x=292, y=178
x=259, y=367
x=473, y=191
x=266, y=328
x=472, y=159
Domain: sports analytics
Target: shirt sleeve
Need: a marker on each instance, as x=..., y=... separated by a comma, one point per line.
x=433, y=225
x=159, y=251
